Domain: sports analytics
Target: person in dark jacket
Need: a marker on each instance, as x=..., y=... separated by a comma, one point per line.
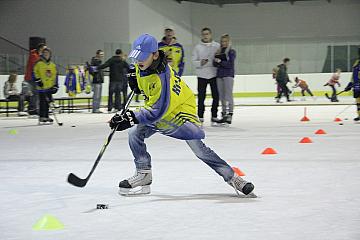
x=224, y=61
x=118, y=68
x=98, y=79
x=282, y=79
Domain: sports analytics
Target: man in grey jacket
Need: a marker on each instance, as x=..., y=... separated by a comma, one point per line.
x=203, y=57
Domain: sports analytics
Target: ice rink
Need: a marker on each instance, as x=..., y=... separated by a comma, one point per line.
x=306, y=191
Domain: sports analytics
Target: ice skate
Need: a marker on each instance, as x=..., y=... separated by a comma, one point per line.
x=50, y=120
x=229, y=118
x=43, y=121
x=241, y=185
x=215, y=122
x=138, y=184
x=22, y=114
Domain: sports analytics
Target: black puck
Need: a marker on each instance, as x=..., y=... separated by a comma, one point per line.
x=73, y=126
x=102, y=206
x=341, y=124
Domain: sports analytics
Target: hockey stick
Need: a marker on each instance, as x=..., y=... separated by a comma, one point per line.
x=79, y=182
x=346, y=108
x=327, y=95
x=53, y=111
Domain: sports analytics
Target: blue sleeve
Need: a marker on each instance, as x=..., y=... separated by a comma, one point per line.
x=154, y=113
x=182, y=63
x=230, y=62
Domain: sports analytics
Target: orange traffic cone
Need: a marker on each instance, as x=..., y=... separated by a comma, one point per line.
x=238, y=171
x=320, y=131
x=305, y=140
x=337, y=119
x=305, y=118
x=269, y=151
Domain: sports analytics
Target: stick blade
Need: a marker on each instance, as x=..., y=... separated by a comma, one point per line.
x=76, y=181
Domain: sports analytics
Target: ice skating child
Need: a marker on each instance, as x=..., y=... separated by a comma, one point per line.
x=170, y=109
x=304, y=87
x=355, y=85
x=46, y=78
x=335, y=79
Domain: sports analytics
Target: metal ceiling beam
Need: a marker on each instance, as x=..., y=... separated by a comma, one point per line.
x=221, y=3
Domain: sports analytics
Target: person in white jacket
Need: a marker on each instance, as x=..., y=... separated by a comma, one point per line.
x=203, y=57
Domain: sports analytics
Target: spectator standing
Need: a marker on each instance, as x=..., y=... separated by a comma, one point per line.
x=224, y=61
x=34, y=56
x=118, y=68
x=173, y=50
x=98, y=80
x=203, y=57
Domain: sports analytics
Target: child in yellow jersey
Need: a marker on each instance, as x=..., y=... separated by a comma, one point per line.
x=170, y=109
x=46, y=79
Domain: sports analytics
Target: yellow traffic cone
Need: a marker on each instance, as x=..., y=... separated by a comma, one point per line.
x=48, y=222
x=12, y=131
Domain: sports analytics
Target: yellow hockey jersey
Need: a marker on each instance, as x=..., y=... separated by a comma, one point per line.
x=170, y=106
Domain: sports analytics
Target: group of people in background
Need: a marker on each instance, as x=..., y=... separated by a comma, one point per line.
x=40, y=82
x=214, y=64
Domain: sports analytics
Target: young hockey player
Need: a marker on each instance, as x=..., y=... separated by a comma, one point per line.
x=332, y=82
x=170, y=109
x=304, y=87
x=46, y=78
x=355, y=85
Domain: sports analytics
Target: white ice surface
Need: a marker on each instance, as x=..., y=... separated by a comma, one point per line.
x=307, y=191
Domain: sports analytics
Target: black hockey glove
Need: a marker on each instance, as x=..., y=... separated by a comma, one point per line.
x=39, y=82
x=348, y=87
x=54, y=89
x=122, y=122
x=132, y=80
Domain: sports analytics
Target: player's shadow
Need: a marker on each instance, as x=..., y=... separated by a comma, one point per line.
x=218, y=198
